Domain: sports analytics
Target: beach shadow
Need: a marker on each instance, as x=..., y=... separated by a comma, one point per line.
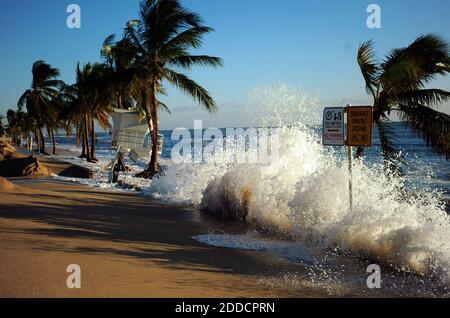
x=130, y=226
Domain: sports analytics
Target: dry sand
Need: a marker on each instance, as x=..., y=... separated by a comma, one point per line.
x=126, y=246
x=5, y=185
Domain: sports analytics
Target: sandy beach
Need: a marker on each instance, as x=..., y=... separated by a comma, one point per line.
x=126, y=246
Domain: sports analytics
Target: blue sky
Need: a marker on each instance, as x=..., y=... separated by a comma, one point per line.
x=307, y=44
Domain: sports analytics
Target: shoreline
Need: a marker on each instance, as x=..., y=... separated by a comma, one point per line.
x=134, y=246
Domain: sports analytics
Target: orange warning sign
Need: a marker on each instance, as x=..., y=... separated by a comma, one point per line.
x=359, y=126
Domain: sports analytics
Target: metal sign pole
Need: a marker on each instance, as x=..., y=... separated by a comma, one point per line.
x=350, y=170
x=350, y=179
x=359, y=133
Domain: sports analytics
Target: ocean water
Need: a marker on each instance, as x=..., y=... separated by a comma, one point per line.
x=297, y=205
x=424, y=171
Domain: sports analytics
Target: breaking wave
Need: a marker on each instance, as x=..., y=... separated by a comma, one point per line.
x=303, y=195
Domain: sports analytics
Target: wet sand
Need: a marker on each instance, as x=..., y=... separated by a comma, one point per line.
x=126, y=246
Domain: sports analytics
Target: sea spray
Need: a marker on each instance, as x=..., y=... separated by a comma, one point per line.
x=303, y=195
x=306, y=198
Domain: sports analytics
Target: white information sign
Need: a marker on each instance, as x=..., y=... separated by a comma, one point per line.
x=333, y=126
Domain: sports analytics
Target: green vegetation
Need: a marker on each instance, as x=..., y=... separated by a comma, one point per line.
x=399, y=84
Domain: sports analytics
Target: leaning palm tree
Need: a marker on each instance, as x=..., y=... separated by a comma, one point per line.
x=87, y=101
x=38, y=99
x=100, y=96
x=399, y=84
x=80, y=105
x=75, y=107
x=71, y=114
x=162, y=39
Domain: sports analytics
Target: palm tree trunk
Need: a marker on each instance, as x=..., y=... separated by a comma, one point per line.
x=78, y=139
x=83, y=143
x=38, y=140
x=80, y=128
x=119, y=101
x=151, y=116
x=93, y=138
x=155, y=155
x=86, y=134
x=154, y=119
x=19, y=139
x=30, y=141
x=52, y=132
x=41, y=140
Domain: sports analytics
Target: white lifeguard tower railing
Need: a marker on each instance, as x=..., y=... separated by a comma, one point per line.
x=130, y=132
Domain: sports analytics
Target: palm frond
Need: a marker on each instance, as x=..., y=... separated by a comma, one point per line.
x=187, y=61
x=429, y=97
x=162, y=20
x=432, y=126
x=164, y=107
x=368, y=66
x=42, y=71
x=401, y=76
x=429, y=51
x=192, y=88
x=108, y=43
x=426, y=58
x=190, y=38
x=23, y=99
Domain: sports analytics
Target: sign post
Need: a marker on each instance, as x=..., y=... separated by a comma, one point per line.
x=350, y=165
x=359, y=132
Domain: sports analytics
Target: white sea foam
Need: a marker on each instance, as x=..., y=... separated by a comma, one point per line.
x=252, y=241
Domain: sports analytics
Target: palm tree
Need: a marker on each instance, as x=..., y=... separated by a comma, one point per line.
x=119, y=58
x=398, y=84
x=80, y=104
x=162, y=39
x=101, y=96
x=14, y=125
x=19, y=124
x=87, y=100
x=38, y=99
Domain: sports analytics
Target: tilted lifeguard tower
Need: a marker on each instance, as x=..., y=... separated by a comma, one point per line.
x=130, y=132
